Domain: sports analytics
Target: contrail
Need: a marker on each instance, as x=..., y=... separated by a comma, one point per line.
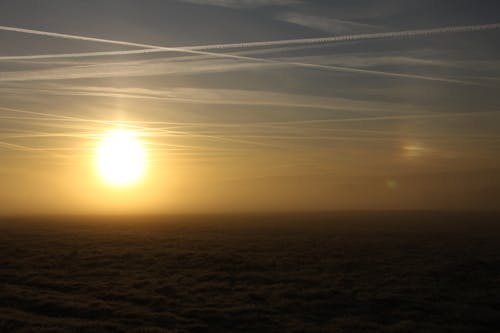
x=395, y=117
x=110, y=41
x=13, y=146
x=77, y=119
x=79, y=55
x=200, y=50
x=146, y=51
x=382, y=73
x=17, y=147
x=343, y=38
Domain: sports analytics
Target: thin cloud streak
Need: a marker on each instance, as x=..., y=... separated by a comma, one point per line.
x=136, y=127
x=395, y=117
x=162, y=67
x=224, y=97
x=24, y=148
x=326, y=24
x=129, y=123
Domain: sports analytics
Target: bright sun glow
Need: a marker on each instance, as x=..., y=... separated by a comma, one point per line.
x=120, y=158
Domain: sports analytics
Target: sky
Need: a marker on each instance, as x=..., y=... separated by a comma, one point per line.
x=252, y=105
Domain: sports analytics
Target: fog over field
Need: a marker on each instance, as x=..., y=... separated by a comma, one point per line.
x=343, y=272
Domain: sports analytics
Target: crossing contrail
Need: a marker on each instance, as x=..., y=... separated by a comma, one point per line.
x=146, y=51
x=201, y=50
x=380, y=35
x=343, y=38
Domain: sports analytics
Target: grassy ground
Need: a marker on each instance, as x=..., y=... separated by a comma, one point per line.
x=345, y=272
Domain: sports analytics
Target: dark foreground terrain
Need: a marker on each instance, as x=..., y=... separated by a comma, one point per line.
x=346, y=272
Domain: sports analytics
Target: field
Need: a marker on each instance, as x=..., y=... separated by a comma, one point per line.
x=342, y=272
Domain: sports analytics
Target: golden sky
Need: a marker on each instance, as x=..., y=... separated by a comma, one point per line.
x=250, y=105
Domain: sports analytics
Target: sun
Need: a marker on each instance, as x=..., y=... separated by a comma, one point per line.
x=120, y=158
